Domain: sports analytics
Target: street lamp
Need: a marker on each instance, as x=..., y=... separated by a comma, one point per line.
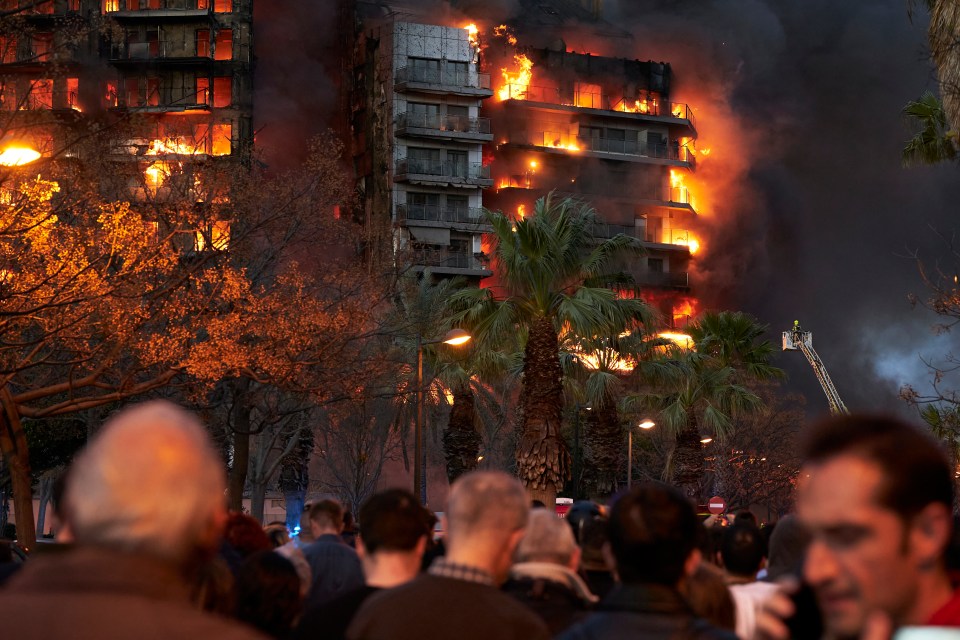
x=706, y=440
x=646, y=423
x=455, y=337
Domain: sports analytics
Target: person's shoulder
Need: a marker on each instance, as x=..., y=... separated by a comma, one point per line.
x=700, y=629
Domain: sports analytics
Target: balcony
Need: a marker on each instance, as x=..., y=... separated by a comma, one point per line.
x=628, y=150
x=663, y=280
x=670, y=112
x=445, y=80
x=445, y=261
x=157, y=9
x=445, y=127
x=451, y=173
x=469, y=216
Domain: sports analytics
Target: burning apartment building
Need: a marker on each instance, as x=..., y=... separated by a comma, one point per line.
x=172, y=79
x=450, y=117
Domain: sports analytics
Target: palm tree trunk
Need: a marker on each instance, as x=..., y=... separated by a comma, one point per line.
x=543, y=462
x=688, y=461
x=461, y=442
x=944, y=33
x=604, y=449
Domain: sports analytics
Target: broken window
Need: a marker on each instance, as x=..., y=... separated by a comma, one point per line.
x=42, y=46
x=203, y=90
x=222, y=143
x=223, y=47
x=109, y=94
x=131, y=92
x=203, y=43
x=111, y=5
x=223, y=6
x=73, y=93
x=222, y=91
x=153, y=92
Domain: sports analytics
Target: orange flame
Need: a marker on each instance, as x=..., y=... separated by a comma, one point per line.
x=516, y=82
x=17, y=156
x=171, y=146
x=156, y=174
x=522, y=211
x=680, y=339
x=501, y=31
x=473, y=34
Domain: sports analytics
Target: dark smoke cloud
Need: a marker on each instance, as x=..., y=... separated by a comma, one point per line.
x=823, y=213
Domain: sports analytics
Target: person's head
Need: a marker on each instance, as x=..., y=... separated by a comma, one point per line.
x=150, y=483
x=326, y=517
x=268, y=593
x=245, y=535
x=788, y=544
x=393, y=521
x=581, y=514
x=876, y=495
x=742, y=550
x=277, y=533
x=745, y=517
x=653, y=535
x=548, y=539
x=709, y=597
x=486, y=515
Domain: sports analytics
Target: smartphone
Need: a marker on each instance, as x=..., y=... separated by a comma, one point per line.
x=807, y=622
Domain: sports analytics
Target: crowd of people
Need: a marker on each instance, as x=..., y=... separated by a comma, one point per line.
x=147, y=550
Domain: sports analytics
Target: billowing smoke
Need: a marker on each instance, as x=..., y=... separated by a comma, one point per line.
x=817, y=224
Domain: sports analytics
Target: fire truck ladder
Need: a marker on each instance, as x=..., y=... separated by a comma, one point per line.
x=802, y=341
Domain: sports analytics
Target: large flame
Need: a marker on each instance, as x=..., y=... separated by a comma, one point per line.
x=522, y=211
x=644, y=106
x=473, y=34
x=171, y=146
x=680, y=339
x=156, y=174
x=516, y=82
x=17, y=156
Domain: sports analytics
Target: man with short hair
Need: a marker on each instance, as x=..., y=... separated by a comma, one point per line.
x=544, y=577
x=486, y=515
x=145, y=507
x=335, y=567
x=742, y=555
x=653, y=533
x=390, y=546
x=876, y=496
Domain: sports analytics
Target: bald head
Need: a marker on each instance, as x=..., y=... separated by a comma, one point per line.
x=548, y=539
x=485, y=502
x=150, y=482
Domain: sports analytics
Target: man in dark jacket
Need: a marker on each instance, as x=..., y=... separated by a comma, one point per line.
x=486, y=515
x=144, y=505
x=545, y=575
x=653, y=534
x=335, y=567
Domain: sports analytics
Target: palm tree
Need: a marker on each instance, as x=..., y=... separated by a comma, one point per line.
x=551, y=271
x=727, y=353
x=944, y=35
x=933, y=142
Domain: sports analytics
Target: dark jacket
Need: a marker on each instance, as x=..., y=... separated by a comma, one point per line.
x=335, y=568
x=645, y=612
x=439, y=607
x=556, y=594
x=94, y=594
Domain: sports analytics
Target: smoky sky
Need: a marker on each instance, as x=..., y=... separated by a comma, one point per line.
x=813, y=215
x=823, y=216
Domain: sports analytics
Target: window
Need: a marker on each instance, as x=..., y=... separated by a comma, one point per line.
x=456, y=73
x=222, y=143
x=203, y=43
x=424, y=70
x=8, y=49
x=41, y=94
x=458, y=206
x=8, y=95
x=131, y=92
x=223, y=47
x=111, y=5
x=223, y=6
x=109, y=94
x=154, y=4
x=42, y=46
x=458, y=118
x=222, y=91
x=426, y=161
x=458, y=163
x=73, y=93
x=153, y=92
x=423, y=115
x=43, y=6
x=423, y=206
x=215, y=237
x=203, y=91
x=655, y=265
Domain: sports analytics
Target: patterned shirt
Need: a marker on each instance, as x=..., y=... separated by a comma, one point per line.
x=446, y=569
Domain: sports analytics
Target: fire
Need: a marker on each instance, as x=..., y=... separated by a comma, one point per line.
x=640, y=106
x=556, y=144
x=678, y=111
x=473, y=34
x=502, y=31
x=522, y=211
x=18, y=156
x=516, y=82
x=682, y=340
x=156, y=173
x=161, y=147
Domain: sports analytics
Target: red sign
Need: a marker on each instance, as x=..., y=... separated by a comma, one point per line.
x=716, y=505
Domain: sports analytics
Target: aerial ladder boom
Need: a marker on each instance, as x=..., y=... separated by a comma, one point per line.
x=797, y=340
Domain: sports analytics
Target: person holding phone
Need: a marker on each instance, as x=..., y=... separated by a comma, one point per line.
x=876, y=495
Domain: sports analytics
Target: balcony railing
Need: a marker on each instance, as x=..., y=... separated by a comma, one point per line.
x=432, y=213
x=611, y=230
x=672, y=151
x=123, y=7
x=444, y=258
x=591, y=100
x=451, y=124
x=675, y=279
x=445, y=76
x=455, y=170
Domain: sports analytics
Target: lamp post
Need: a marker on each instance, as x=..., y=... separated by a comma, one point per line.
x=646, y=423
x=455, y=337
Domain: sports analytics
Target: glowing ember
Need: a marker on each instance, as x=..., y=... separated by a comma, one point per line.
x=502, y=31
x=516, y=82
x=18, y=156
